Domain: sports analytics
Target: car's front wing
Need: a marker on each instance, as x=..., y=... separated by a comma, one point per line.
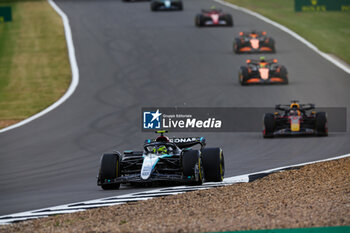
x=136, y=178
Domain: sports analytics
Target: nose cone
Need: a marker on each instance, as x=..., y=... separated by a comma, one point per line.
x=149, y=162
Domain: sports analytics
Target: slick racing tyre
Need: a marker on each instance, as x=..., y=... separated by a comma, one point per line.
x=269, y=124
x=229, y=20
x=153, y=6
x=199, y=20
x=284, y=74
x=321, y=124
x=192, y=166
x=213, y=164
x=236, y=45
x=109, y=170
x=243, y=75
x=271, y=44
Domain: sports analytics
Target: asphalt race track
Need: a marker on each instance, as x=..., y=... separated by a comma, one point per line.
x=130, y=57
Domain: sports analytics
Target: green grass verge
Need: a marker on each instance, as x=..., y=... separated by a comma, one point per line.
x=34, y=65
x=329, y=31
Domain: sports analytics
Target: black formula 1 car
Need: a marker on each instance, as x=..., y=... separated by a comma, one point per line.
x=213, y=17
x=163, y=160
x=295, y=119
x=166, y=5
x=263, y=71
x=253, y=42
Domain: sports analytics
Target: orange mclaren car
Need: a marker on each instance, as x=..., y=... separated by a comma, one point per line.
x=262, y=71
x=253, y=42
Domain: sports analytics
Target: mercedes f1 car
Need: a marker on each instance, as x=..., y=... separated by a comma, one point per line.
x=253, y=42
x=213, y=17
x=262, y=72
x=295, y=119
x=166, y=5
x=163, y=160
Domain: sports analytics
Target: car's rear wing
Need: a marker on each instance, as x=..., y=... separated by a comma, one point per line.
x=208, y=11
x=247, y=34
x=257, y=61
x=184, y=142
x=286, y=107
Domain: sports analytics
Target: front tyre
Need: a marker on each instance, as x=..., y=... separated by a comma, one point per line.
x=213, y=164
x=243, y=75
x=284, y=74
x=269, y=125
x=109, y=170
x=192, y=166
x=321, y=124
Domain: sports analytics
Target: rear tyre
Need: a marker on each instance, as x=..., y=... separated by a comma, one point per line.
x=269, y=124
x=229, y=20
x=213, y=164
x=153, y=6
x=198, y=20
x=243, y=75
x=181, y=7
x=284, y=74
x=236, y=45
x=272, y=45
x=321, y=124
x=192, y=166
x=109, y=170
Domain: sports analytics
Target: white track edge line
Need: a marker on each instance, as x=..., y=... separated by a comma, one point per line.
x=300, y=164
x=287, y=30
x=74, y=70
x=227, y=181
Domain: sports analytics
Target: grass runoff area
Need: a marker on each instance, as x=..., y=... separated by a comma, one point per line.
x=34, y=65
x=329, y=31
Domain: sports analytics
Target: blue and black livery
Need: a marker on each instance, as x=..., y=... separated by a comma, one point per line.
x=163, y=160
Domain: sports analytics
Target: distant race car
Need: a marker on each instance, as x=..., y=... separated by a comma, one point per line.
x=295, y=119
x=262, y=71
x=213, y=17
x=163, y=160
x=253, y=42
x=166, y=5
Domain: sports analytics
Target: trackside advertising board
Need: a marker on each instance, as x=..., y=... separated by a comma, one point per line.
x=321, y=5
x=5, y=14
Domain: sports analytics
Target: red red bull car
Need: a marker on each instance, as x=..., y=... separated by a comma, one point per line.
x=253, y=42
x=262, y=72
x=213, y=17
x=295, y=119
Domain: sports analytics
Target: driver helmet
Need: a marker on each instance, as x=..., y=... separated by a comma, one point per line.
x=160, y=150
x=162, y=138
x=294, y=112
x=262, y=62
